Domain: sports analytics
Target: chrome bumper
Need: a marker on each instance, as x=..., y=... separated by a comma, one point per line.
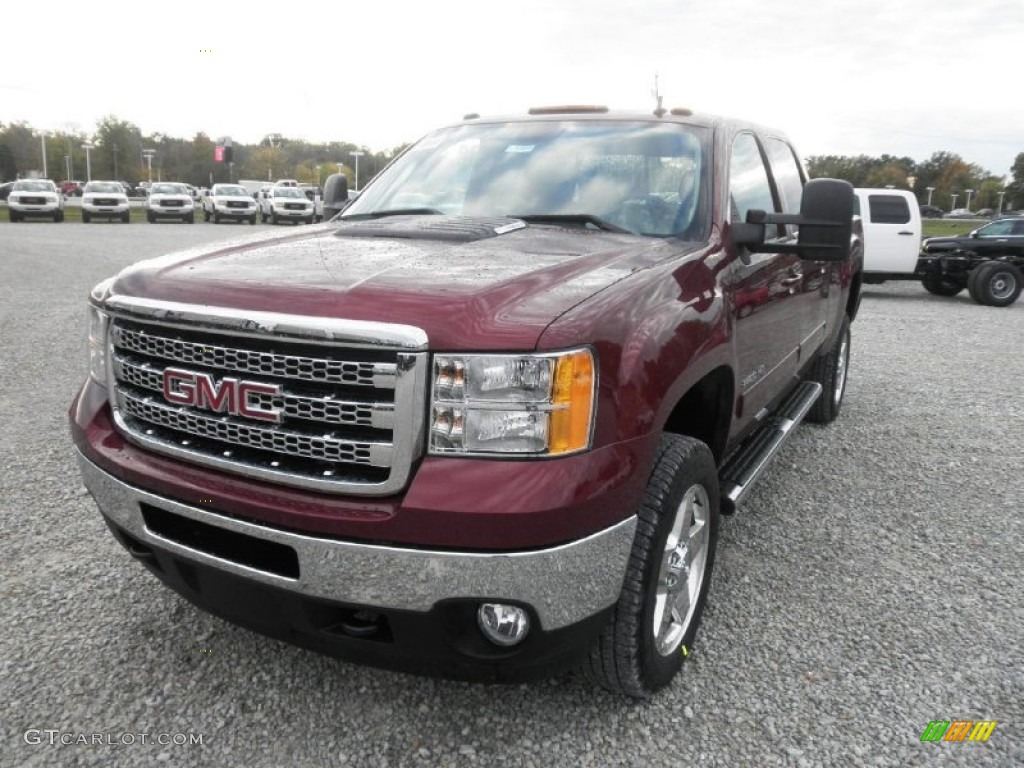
x=564, y=584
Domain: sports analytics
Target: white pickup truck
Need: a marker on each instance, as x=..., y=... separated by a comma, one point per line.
x=987, y=266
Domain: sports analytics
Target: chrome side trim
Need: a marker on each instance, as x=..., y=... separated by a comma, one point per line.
x=311, y=330
x=564, y=584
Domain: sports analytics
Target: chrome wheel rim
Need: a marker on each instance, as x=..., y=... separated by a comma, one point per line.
x=681, y=572
x=1002, y=285
x=844, y=356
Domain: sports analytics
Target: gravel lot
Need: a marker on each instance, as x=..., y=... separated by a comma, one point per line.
x=870, y=584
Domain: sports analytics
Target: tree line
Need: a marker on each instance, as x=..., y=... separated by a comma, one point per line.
x=946, y=173
x=118, y=148
x=118, y=151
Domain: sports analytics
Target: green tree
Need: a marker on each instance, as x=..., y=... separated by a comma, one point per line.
x=1015, y=189
x=117, y=146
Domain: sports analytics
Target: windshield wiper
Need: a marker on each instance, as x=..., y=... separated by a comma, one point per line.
x=573, y=218
x=393, y=212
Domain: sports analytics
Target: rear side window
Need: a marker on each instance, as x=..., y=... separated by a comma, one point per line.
x=749, y=188
x=788, y=177
x=888, y=209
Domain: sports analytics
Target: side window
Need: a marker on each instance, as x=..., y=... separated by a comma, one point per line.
x=888, y=209
x=1018, y=228
x=749, y=188
x=788, y=176
x=997, y=229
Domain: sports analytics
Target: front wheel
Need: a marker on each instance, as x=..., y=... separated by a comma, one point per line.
x=996, y=284
x=668, y=574
x=126, y=217
x=252, y=219
x=943, y=285
x=86, y=218
x=190, y=219
x=829, y=370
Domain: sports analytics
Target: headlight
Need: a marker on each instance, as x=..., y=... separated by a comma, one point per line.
x=540, y=405
x=98, y=322
x=98, y=345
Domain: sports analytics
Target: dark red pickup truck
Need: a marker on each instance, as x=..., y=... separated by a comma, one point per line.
x=482, y=423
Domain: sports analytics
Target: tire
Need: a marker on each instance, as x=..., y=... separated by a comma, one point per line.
x=263, y=218
x=632, y=656
x=86, y=218
x=126, y=217
x=252, y=219
x=190, y=218
x=13, y=216
x=996, y=284
x=216, y=218
x=309, y=220
x=58, y=217
x=206, y=215
x=273, y=218
x=150, y=217
x=829, y=370
x=943, y=285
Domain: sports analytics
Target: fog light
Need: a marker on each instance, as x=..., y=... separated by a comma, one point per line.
x=503, y=625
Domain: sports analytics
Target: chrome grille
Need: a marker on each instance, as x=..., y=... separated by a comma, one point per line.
x=324, y=448
x=323, y=409
x=251, y=361
x=351, y=413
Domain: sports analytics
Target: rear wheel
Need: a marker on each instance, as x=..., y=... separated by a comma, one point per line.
x=668, y=575
x=13, y=216
x=943, y=285
x=996, y=284
x=252, y=219
x=126, y=217
x=190, y=218
x=829, y=370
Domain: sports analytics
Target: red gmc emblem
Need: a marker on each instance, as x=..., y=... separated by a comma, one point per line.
x=231, y=396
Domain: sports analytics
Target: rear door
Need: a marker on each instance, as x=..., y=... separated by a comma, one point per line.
x=892, y=231
x=764, y=287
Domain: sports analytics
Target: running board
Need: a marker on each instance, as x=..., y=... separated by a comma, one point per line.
x=739, y=474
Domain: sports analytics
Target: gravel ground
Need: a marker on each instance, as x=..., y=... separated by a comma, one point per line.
x=870, y=584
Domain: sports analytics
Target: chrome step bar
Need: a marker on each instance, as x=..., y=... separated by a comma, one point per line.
x=742, y=470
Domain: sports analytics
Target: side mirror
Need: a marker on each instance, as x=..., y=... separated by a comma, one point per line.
x=335, y=195
x=825, y=221
x=973, y=233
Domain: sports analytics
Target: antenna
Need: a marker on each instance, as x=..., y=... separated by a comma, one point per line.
x=659, y=111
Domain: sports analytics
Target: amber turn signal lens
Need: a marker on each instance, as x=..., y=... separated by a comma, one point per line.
x=573, y=399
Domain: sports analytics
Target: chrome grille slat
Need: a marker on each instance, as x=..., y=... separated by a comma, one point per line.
x=327, y=410
x=380, y=375
x=324, y=448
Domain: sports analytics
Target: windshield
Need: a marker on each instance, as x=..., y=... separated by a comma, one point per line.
x=103, y=186
x=230, y=192
x=644, y=177
x=288, y=192
x=168, y=189
x=33, y=186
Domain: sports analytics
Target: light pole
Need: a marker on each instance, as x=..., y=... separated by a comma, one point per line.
x=148, y=154
x=316, y=171
x=930, y=190
x=67, y=162
x=968, y=191
x=113, y=150
x=955, y=196
x=356, y=153
x=42, y=137
x=88, y=164
x=999, y=211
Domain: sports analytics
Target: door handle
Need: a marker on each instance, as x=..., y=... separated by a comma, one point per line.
x=906, y=233
x=793, y=280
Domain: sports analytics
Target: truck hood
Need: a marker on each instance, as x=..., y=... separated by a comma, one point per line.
x=464, y=283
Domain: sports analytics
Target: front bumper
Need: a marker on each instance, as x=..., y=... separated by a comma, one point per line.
x=170, y=211
x=235, y=213
x=116, y=210
x=389, y=606
x=45, y=209
x=303, y=214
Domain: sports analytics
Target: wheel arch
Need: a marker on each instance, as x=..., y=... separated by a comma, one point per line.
x=704, y=411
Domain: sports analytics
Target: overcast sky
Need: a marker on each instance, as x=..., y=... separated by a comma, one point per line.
x=905, y=77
